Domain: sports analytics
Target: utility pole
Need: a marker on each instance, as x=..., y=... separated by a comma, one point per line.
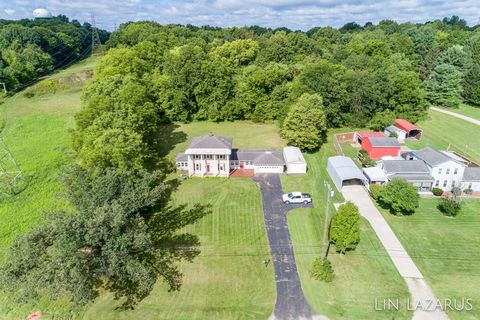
x=325, y=227
x=96, y=43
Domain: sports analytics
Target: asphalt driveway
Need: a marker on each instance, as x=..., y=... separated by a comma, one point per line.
x=291, y=302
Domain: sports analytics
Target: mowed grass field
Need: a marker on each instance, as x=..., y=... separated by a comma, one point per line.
x=445, y=250
x=444, y=132
x=467, y=110
x=361, y=276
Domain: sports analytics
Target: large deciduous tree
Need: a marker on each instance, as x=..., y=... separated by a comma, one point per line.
x=400, y=196
x=305, y=125
x=345, y=228
x=122, y=237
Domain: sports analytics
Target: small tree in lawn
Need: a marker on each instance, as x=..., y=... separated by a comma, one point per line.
x=400, y=196
x=305, y=125
x=345, y=228
x=322, y=270
x=451, y=205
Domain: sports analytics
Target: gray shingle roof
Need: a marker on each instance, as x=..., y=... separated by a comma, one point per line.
x=181, y=157
x=431, y=156
x=384, y=142
x=471, y=174
x=413, y=177
x=392, y=128
x=259, y=157
x=405, y=166
x=211, y=142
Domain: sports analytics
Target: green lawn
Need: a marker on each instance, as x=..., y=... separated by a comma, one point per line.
x=228, y=280
x=467, y=110
x=361, y=276
x=445, y=250
x=444, y=132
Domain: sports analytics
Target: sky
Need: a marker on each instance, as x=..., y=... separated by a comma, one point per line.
x=294, y=14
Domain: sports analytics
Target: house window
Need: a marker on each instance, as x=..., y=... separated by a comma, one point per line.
x=197, y=156
x=208, y=156
x=448, y=170
x=198, y=166
x=439, y=170
x=470, y=185
x=455, y=171
x=221, y=167
x=437, y=183
x=453, y=184
x=221, y=157
x=444, y=183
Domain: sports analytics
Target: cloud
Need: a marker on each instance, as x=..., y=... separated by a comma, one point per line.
x=295, y=14
x=9, y=11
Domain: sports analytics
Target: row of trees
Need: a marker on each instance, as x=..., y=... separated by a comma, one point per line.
x=32, y=48
x=353, y=76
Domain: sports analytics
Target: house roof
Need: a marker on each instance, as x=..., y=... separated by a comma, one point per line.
x=383, y=142
x=405, y=125
x=293, y=155
x=367, y=134
x=258, y=156
x=413, y=177
x=431, y=156
x=471, y=174
x=404, y=166
x=181, y=157
x=375, y=174
x=211, y=142
x=343, y=168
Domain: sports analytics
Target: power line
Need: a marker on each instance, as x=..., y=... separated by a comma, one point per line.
x=96, y=43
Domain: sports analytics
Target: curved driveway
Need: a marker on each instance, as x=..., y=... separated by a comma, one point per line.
x=457, y=115
x=291, y=303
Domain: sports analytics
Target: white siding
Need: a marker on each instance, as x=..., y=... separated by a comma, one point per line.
x=445, y=176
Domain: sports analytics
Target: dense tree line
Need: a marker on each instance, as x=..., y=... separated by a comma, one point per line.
x=364, y=75
x=32, y=48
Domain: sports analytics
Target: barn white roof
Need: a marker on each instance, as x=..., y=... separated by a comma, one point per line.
x=293, y=155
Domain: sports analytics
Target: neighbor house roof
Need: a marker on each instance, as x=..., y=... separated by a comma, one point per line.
x=471, y=174
x=404, y=166
x=293, y=155
x=259, y=157
x=383, y=142
x=431, y=156
x=405, y=125
x=181, y=157
x=413, y=176
x=210, y=142
x=375, y=174
x=368, y=134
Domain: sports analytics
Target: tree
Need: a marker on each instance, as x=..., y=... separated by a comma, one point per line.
x=345, y=228
x=322, y=270
x=237, y=53
x=381, y=120
x=122, y=238
x=444, y=86
x=305, y=125
x=400, y=196
x=471, y=85
x=457, y=57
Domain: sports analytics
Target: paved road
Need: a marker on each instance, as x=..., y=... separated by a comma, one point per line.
x=291, y=303
x=419, y=289
x=457, y=115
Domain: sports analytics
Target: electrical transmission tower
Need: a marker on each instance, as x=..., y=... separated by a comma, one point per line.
x=96, y=43
x=11, y=177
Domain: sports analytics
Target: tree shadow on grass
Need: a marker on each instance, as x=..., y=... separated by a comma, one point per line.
x=169, y=138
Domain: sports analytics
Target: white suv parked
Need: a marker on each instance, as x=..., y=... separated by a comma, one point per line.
x=296, y=197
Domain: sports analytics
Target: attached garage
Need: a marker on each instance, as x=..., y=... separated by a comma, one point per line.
x=269, y=162
x=294, y=160
x=344, y=172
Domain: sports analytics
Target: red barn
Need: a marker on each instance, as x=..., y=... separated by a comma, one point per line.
x=411, y=130
x=378, y=147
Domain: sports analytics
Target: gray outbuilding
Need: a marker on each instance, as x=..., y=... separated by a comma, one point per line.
x=343, y=171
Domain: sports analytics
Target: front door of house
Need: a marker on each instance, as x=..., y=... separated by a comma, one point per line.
x=208, y=168
x=241, y=164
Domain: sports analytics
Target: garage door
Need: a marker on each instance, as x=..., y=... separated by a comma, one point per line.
x=352, y=182
x=268, y=169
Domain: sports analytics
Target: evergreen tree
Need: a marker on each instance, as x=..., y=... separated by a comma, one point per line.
x=471, y=85
x=444, y=86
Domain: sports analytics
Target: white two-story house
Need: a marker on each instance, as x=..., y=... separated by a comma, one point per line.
x=446, y=171
x=206, y=156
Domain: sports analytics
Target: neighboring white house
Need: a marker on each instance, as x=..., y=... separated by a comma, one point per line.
x=471, y=179
x=446, y=171
x=294, y=160
x=212, y=155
